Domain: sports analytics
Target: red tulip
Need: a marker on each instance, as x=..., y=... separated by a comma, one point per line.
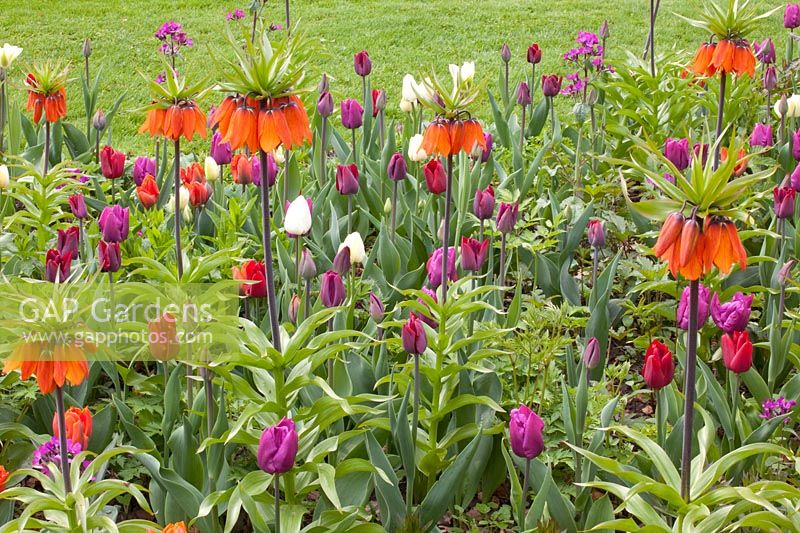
x=737, y=351
x=659, y=367
x=112, y=162
x=435, y=177
x=79, y=426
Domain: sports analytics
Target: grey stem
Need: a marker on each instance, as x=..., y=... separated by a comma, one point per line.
x=689, y=391
x=62, y=439
x=267, y=244
x=446, y=233
x=276, y=478
x=177, y=179
x=721, y=110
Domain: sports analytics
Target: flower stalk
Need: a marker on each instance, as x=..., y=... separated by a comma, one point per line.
x=267, y=245
x=62, y=438
x=689, y=390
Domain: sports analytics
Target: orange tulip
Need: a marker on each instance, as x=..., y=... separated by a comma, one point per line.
x=3, y=478
x=193, y=173
x=148, y=192
x=177, y=527
x=79, y=425
x=53, y=366
x=723, y=246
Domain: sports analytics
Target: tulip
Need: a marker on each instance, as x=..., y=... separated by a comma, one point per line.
x=8, y=53
x=362, y=63
x=523, y=94
x=142, y=167
x=352, y=114
x=406, y=106
x=163, y=337
x=734, y=315
x=737, y=351
x=341, y=262
x=176, y=527
x=148, y=192
x=603, y=32
x=211, y=169
x=702, y=307
x=99, y=120
x=796, y=145
x=791, y=16
x=332, y=289
x=325, y=104
x=534, y=54
x=5, y=177
x=435, y=177
x=356, y=245
x=78, y=206
x=596, y=233
x=298, y=217
x=762, y=135
x=277, y=447
x=397, y=168
x=788, y=107
x=505, y=53
x=376, y=308
x=112, y=162
x=551, y=85
x=378, y=101
x=700, y=150
x=783, y=201
x=591, y=353
x=308, y=269
x=485, y=153
x=347, y=179
x=294, y=308
x=677, y=152
x=434, y=266
x=183, y=198
x=255, y=273
x=413, y=335
x=526, y=432
x=114, y=222
x=220, y=150
x=473, y=253
x=770, y=80
x=659, y=366
x=68, y=241
x=785, y=272
x=109, y=256
x=57, y=266
x=483, y=205
x=765, y=51
x=507, y=216
x=415, y=151
x=79, y=426
x=409, y=94
x=795, y=178
x=273, y=160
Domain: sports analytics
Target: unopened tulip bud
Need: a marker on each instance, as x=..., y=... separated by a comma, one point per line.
x=362, y=63
x=387, y=206
x=534, y=54
x=770, y=80
x=325, y=104
x=211, y=169
x=505, y=53
x=376, y=308
x=415, y=340
x=380, y=101
x=308, y=269
x=783, y=105
x=324, y=85
x=785, y=272
x=596, y=233
x=5, y=178
x=87, y=48
x=397, y=168
x=523, y=94
x=603, y=32
x=332, y=290
x=294, y=308
x=591, y=353
x=341, y=262
x=406, y=106
x=592, y=99
x=183, y=197
x=99, y=120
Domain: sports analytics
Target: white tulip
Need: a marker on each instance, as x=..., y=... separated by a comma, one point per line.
x=4, y=177
x=188, y=214
x=298, y=217
x=406, y=106
x=8, y=53
x=415, y=151
x=455, y=73
x=211, y=169
x=408, y=88
x=279, y=155
x=793, y=109
x=356, y=245
x=468, y=71
x=183, y=197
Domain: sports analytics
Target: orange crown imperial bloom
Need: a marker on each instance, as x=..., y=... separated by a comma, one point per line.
x=734, y=57
x=53, y=103
x=178, y=120
x=723, y=247
x=681, y=245
x=701, y=65
x=53, y=366
x=446, y=137
x=265, y=124
x=741, y=162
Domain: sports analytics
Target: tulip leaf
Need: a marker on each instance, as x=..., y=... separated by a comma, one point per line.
x=390, y=501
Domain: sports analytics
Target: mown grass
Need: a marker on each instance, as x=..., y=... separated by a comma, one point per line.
x=401, y=36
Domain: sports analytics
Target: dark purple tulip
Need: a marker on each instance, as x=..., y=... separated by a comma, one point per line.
x=534, y=54
x=57, y=265
x=434, y=266
x=376, y=308
x=325, y=104
x=526, y=433
x=591, y=353
x=114, y=222
x=68, y=241
x=413, y=335
x=551, y=85
x=796, y=145
x=701, y=151
x=220, y=151
x=489, y=144
x=784, y=274
x=109, y=256
x=596, y=233
x=473, y=253
x=795, y=178
x=505, y=53
x=397, y=168
x=762, y=135
x=347, y=179
x=483, y=205
x=783, y=201
x=677, y=151
x=362, y=63
x=308, y=269
x=142, y=167
x=523, y=94
x=324, y=85
x=78, y=206
x=422, y=316
x=277, y=447
x=770, y=80
x=507, y=216
x=791, y=17
x=765, y=51
x=352, y=114
x=734, y=315
x=702, y=307
x=341, y=262
x=332, y=289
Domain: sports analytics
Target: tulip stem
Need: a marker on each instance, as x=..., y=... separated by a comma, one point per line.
x=394, y=207
x=502, y=278
x=3, y=107
x=330, y=359
x=414, y=427
x=307, y=309
x=62, y=439
x=277, y=482
x=689, y=391
x=522, y=136
x=733, y=382
x=297, y=262
x=177, y=184
x=46, y=154
x=505, y=84
x=267, y=244
x=651, y=40
x=446, y=233
x=523, y=496
x=208, y=385
x=661, y=415
x=324, y=151
x=355, y=157
x=349, y=214
x=552, y=117
x=723, y=83
x=595, y=265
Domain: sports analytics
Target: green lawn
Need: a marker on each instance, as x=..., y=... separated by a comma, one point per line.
x=401, y=35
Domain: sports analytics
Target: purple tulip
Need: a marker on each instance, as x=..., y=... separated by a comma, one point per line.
x=523, y=94
x=325, y=104
x=507, y=216
x=277, y=447
x=534, y=54
x=362, y=63
x=67, y=241
x=114, y=222
x=505, y=53
x=551, y=85
x=352, y=114
x=413, y=335
x=596, y=233
x=796, y=145
x=347, y=179
x=795, y=178
x=434, y=266
x=331, y=289
x=78, y=206
x=308, y=269
x=526, y=432
x=397, y=168
x=220, y=151
x=762, y=135
x=376, y=308
x=702, y=307
x=57, y=265
x=765, y=51
x=109, y=256
x=701, y=151
x=783, y=201
x=473, y=253
x=142, y=167
x=731, y=316
x=591, y=353
x=425, y=318
x=791, y=17
x=488, y=151
x=341, y=262
x=677, y=151
x=770, y=80
x=483, y=206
